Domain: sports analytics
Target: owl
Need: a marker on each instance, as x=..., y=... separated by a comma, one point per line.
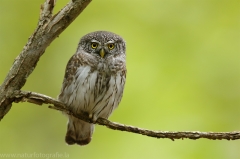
x=93, y=83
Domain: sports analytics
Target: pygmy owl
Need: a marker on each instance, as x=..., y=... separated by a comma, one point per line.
x=93, y=83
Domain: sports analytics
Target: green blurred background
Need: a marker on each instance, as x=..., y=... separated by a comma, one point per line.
x=183, y=61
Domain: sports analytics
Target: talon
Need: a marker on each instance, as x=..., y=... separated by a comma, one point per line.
x=90, y=115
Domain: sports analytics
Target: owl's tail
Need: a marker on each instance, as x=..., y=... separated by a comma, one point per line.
x=78, y=132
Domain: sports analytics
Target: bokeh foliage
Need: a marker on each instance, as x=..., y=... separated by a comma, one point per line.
x=183, y=61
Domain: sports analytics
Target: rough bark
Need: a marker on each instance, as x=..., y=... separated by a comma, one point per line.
x=49, y=27
x=36, y=98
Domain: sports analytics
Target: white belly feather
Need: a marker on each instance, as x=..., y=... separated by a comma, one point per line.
x=95, y=92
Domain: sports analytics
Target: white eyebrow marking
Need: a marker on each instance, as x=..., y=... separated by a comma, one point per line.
x=94, y=41
x=109, y=42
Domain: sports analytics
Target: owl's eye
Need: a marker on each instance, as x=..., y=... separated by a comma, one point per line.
x=111, y=46
x=94, y=45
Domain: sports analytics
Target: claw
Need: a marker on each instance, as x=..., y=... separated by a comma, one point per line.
x=93, y=117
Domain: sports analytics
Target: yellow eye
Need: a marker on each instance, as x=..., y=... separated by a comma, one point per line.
x=111, y=46
x=94, y=45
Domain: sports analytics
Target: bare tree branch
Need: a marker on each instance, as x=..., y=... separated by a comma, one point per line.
x=36, y=98
x=49, y=27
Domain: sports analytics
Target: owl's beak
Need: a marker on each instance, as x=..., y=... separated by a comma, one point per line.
x=102, y=53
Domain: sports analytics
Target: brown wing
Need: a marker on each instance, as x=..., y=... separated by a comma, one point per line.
x=73, y=64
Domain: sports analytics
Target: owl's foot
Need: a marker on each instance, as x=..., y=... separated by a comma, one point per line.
x=93, y=117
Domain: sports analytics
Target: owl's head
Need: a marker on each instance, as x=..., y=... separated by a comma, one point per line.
x=102, y=44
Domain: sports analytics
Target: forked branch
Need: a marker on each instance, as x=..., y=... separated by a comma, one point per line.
x=49, y=27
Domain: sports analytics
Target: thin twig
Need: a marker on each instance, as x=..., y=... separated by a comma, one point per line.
x=36, y=98
x=49, y=27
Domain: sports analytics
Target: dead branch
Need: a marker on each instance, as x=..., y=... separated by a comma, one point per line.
x=36, y=98
x=49, y=27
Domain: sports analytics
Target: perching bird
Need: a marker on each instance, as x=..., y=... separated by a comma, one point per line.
x=94, y=82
